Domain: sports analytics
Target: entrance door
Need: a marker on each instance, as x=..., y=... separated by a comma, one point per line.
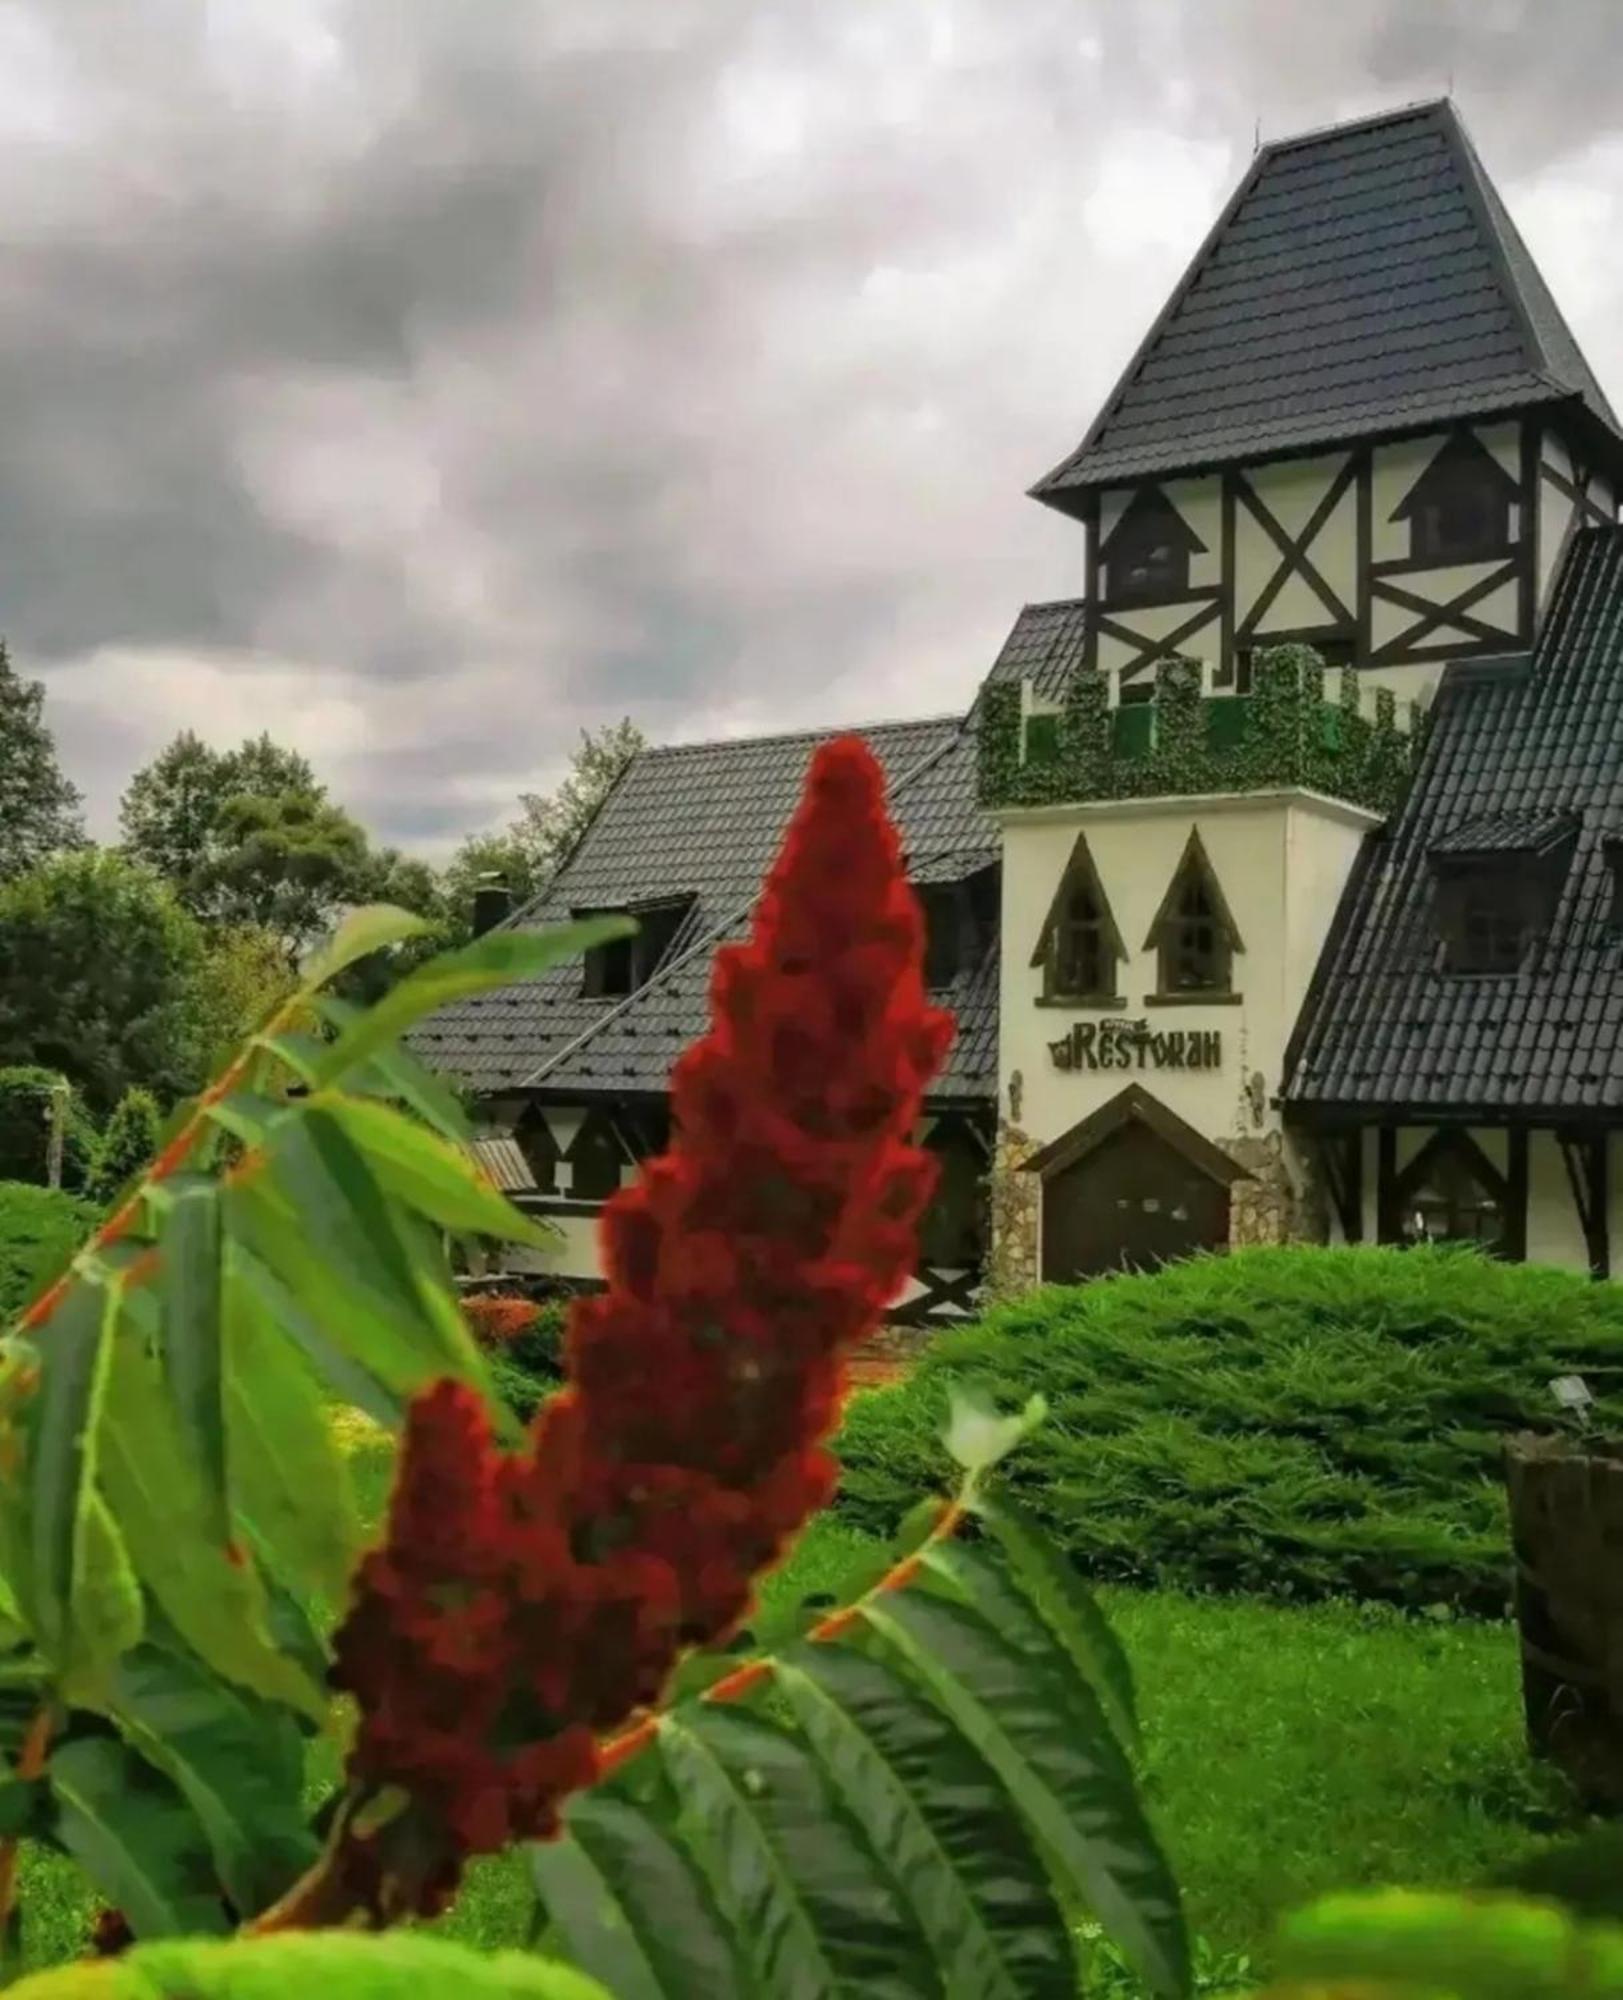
x=1131, y=1202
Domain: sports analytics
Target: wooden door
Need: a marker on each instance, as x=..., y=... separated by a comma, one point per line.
x=1131, y=1203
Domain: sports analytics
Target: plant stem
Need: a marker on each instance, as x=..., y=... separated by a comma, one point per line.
x=31, y=1758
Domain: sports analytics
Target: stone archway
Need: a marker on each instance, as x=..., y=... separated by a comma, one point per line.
x=1129, y=1188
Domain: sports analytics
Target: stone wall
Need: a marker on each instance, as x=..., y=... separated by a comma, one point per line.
x=1014, y=1263
x=1278, y=1203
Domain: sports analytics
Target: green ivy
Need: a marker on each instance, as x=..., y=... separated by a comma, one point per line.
x=1283, y=733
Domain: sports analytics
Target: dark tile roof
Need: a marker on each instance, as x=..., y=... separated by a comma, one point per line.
x=1504, y=833
x=1384, y=1026
x=705, y=820
x=1046, y=645
x=1362, y=280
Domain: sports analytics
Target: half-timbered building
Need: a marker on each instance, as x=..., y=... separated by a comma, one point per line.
x=1277, y=877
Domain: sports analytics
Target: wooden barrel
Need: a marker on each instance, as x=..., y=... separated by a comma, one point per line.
x=1566, y=1527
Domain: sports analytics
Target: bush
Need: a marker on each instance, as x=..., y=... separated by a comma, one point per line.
x=128, y=1145
x=525, y=1344
x=1295, y=1422
x=39, y=1232
x=25, y=1120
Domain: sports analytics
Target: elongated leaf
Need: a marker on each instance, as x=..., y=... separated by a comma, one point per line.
x=936, y=1810
x=297, y=1050
x=501, y=958
x=1069, y=1609
x=136, y=1838
x=372, y=927
x=632, y=1908
x=289, y=1482
x=248, y=1115
x=437, y=1179
x=793, y=1873
x=316, y=1965
x=107, y=1614
x=1044, y=1732
x=373, y=1250
x=238, y=1762
x=210, y=1591
x=62, y=1423
x=348, y=1379
x=395, y=1072
x=193, y=1364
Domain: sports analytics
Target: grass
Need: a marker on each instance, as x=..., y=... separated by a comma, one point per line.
x=1289, y=1751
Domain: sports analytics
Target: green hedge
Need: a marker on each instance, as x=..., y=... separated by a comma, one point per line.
x=25, y=1111
x=39, y=1231
x=1294, y=1422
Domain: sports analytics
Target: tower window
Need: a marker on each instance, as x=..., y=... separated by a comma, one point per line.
x=1146, y=555
x=1458, y=510
x=1079, y=947
x=1193, y=935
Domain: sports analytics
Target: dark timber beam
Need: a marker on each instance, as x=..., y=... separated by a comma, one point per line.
x=1584, y=1155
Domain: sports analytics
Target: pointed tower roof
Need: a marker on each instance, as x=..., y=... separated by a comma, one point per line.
x=1362, y=280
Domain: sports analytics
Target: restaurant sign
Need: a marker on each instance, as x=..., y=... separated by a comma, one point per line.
x=1134, y=1045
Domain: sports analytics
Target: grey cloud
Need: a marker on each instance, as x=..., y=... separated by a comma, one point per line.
x=502, y=368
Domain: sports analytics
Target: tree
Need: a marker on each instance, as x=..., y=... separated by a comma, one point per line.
x=175, y=811
x=129, y=1143
x=39, y=809
x=244, y=974
x=286, y=863
x=526, y=855
x=98, y=977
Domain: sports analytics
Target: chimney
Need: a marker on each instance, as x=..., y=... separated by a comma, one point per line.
x=492, y=904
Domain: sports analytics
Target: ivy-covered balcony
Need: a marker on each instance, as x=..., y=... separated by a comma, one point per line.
x=1285, y=733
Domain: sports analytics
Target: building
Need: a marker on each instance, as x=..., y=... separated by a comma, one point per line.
x=1277, y=878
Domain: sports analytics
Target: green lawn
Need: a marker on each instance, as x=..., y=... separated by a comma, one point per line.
x=1289, y=1751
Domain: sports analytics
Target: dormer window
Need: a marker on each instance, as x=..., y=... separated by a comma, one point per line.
x=1498, y=881
x=1146, y=555
x=1193, y=936
x=615, y=970
x=959, y=918
x=1458, y=510
x=1079, y=946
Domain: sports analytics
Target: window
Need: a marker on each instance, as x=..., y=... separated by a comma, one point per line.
x=612, y=971
x=1146, y=554
x=1451, y=1192
x=1459, y=508
x=1079, y=946
x=1499, y=879
x=1486, y=926
x=1193, y=935
x=952, y=1229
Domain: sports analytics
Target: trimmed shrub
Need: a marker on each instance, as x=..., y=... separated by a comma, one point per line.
x=525, y=1344
x=1294, y=1422
x=128, y=1145
x=39, y=1231
x=25, y=1120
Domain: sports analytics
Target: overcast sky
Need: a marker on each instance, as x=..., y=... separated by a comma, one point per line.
x=423, y=380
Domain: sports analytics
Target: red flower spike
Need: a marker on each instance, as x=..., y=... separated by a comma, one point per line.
x=521, y=1604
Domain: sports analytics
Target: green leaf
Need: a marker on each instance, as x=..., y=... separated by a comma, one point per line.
x=632, y=1908
x=372, y=927
x=977, y=1436
x=210, y=1591
x=189, y=1301
x=398, y=1074
x=289, y=1481
x=135, y=1837
x=1069, y=1609
x=349, y=1380
x=1044, y=1732
x=501, y=958
x=296, y=1050
x=356, y=1242
x=935, y=1809
x=248, y=1115
x=326, y=1965
x=107, y=1614
x=793, y=1873
x=437, y=1179
x=24, y=1803
x=238, y=1762
x=61, y=1423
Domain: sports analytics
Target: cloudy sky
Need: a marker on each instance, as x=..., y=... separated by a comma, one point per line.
x=424, y=380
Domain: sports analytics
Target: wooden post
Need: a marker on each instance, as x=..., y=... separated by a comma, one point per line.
x=1566, y=1524
x=56, y=1132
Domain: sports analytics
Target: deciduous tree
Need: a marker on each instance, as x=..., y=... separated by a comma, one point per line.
x=39, y=809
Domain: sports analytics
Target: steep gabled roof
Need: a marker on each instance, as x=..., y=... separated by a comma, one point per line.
x=1363, y=279
x=1514, y=753
x=705, y=820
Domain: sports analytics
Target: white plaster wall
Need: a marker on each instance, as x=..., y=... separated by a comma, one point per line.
x=1157, y=621
x=575, y=1255
x=1280, y=859
x=1200, y=502
x=1554, y=1233
x=1291, y=489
